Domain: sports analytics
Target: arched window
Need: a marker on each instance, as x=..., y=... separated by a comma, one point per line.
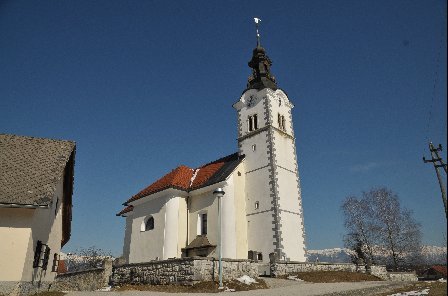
x=147, y=224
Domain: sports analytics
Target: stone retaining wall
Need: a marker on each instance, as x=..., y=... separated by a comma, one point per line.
x=85, y=280
x=280, y=268
x=183, y=271
x=22, y=288
x=402, y=277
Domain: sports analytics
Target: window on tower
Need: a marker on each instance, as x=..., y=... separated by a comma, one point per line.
x=252, y=122
x=281, y=122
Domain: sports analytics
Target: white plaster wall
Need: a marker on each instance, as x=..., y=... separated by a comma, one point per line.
x=292, y=230
x=147, y=245
x=284, y=151
x=171, y=233
x=15, y=234
x=127, y=237
x=239, y=181
x=228, y=219
x=258, y=158
x=20, y=229
x=198, y=204
x=47, y=227
x=287, y=191
x=260, y=234
x=182, y=230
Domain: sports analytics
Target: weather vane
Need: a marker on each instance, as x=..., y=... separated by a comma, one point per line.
x=257, y=21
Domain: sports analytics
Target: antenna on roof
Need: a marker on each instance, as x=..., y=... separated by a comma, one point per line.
x=257, y=21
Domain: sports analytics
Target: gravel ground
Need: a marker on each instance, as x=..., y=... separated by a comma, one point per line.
x=280, y=288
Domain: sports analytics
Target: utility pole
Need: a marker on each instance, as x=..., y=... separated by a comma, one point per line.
x=438, y=163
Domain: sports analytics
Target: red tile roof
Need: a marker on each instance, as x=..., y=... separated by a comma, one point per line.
x=178, y=178
x=125, y=210
x=441, y=269
x=187, y=179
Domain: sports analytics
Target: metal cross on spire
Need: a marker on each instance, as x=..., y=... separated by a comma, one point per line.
x=257, y=21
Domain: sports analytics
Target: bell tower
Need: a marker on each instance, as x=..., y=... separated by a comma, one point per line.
x=266, y=138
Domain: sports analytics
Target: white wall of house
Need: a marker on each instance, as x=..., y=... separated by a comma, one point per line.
x=168, y=209
x=239, y=182
x=20, y=229
x=203, y=201
x=15, y=233
x=147, y=245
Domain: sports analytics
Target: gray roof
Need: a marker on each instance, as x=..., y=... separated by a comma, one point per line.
x=30, y=168
x=201, y=241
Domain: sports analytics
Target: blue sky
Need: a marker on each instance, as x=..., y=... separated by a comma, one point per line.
x=144, y=86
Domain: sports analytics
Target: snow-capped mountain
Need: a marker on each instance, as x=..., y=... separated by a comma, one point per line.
x=430, y=254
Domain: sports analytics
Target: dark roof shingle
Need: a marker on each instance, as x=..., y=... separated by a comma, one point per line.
x=30, y=168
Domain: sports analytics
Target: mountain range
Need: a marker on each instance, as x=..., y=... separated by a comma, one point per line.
x=430, y=255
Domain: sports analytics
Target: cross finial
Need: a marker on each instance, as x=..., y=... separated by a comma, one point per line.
x=257, y=21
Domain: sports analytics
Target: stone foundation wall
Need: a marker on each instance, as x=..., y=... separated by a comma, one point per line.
x=402, y=276
x=86, y=280
x=280, y=268
x=379, y=271
x=183, y=271
x=22, y=288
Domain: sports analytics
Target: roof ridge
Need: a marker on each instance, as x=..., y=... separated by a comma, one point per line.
x=196, y=171
x=37, y=138
x=222, y=159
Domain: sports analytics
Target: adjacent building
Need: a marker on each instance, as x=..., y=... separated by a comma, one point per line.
x=36, y=185
x=177, y=215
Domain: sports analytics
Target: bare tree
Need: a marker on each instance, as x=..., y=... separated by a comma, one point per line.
x=376, y=223
x=360, y=238
x=87, y=258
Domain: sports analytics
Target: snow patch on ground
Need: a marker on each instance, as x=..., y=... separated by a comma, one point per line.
x=412, y=293
x=105, y=289
x=294, y=278
x=227, y=289
x=245, y=279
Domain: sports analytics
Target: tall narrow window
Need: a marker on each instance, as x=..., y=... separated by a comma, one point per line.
x=281, y=122
x=252, y=122
x=204, y=224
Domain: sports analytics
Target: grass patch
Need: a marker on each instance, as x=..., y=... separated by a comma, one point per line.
x=333, y=276
x=435, y=288
x=202, y=287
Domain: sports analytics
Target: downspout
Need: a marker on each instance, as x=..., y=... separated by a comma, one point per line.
x=188, y=207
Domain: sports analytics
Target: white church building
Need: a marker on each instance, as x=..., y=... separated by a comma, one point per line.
x=177, y=215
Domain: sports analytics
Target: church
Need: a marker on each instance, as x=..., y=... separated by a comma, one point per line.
x=177, y=215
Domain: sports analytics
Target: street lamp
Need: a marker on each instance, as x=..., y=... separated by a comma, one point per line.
x=219, y=193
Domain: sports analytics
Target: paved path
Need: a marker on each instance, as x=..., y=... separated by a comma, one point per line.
x=278, y=288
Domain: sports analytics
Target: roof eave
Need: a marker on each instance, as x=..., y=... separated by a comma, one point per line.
x=24, y=206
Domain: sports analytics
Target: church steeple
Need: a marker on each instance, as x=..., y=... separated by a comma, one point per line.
x=260, y=63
